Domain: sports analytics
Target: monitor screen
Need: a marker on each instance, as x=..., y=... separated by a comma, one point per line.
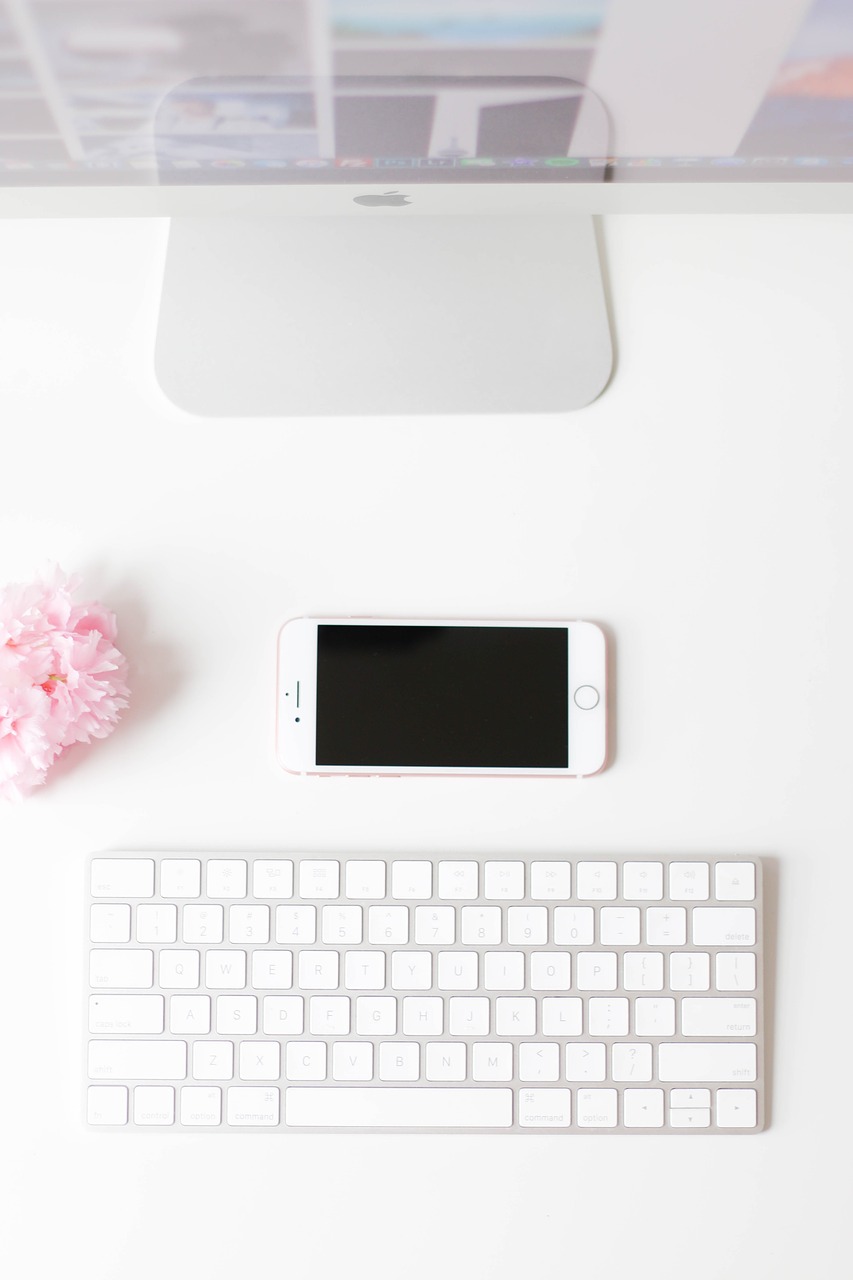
x=228, y=92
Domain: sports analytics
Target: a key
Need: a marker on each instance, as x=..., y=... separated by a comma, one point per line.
x=122, y=877
x=126, y=1015
x=545, y=1108
x=272, y=878
x=137, y=1059
x=226, y=878
x=411, y=879
x=718, y=1016
x=734, y=881
x=504, y=881
x=443, y=1107
x=596, y=880
x=551, y=881
x=726, y=1063
x=458, y=880
x=121, y=969
x=295, y=925
x=319, y=879
x=724, y=926
x=180, y=878
x=365, y=878
x=253, y=1105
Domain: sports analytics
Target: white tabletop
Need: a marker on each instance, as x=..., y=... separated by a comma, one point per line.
x=701, y=509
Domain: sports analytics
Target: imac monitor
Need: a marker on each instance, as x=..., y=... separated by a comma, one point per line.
x=384, y=206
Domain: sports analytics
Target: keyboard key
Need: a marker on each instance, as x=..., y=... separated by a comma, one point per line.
x=106, y=1104
x=178, y=969
x=619, y=926
x=423, y=1016
x=735, y=971
x=562, y=1016
x=305, y=1060
x=352, y=1060
x=551, y=881
x=597, y=1108
x=515, y=1016
x=411, y=970
x=654, y=1016
x=689, y=880
x=272, y=970
x=156, y=923
x=381, y=1108
x=538, y=1062
x=504, y=971
x=364, y=879
x=550, y=971
x=596, y=971
x=109, y=922
x=642, y=970
x=689, y=970
x=411, y=879
x=203, y=924
x=253, y=1106
x=320, y=879
x=586, y=1062
x=201, y=1105
x=491, y=1062
x=596, y=880
x=737, y=1108
x=137, y=1059
x=399, y=1060
x=364, y=970
x=714, y=1016
x=249, y=924
x=376, y=1015
x=643, y=1108
x=122, y=877
x=226, y=878
x=296, y=925
x=631, y=1062
x=469, y=1015
x=689, y=1098
x=457, y=971
x=734, y=881
x=545, y=1108
x=260, y=1060
x=388, y=925
x=126, y=1015
x=122, y=969
x=481, y=926
x=690, y=1117
x=607, y=1017
x=458, y=880
x=283, y=1015
x=236, y=1015
x=527, y=926
x=180, y=878
x=189, y=1015
x=225, y=970
x=342, y=925
x=154, y=1104
x=435, y=926
x=445, y=1061
x=666, y=926
x=642, y=881
x=318, y=970
x=574, y=926
x=329, y=1015
x=504, y=881
x=272, y=878
x=706, y=1062
x=723, y=926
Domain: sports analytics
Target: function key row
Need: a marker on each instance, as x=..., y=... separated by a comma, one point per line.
x=450, y=880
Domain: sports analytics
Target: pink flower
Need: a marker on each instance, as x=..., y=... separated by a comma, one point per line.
x=62, y=680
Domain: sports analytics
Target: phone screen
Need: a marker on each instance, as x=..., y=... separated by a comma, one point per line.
x=443, y=696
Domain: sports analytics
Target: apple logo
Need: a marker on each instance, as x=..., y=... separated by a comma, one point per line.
x=389, y=199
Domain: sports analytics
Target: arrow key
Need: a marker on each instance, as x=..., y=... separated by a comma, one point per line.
x=642, y=1108
x=690, y=1117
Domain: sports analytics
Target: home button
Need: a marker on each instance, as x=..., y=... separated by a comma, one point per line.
x=587, y=697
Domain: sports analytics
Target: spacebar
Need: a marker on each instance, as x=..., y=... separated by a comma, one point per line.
x=414, y=1108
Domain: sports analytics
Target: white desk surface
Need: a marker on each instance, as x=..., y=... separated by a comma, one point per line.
x=701, y=509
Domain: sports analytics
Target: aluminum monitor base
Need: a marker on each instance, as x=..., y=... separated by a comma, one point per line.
x=292, y=316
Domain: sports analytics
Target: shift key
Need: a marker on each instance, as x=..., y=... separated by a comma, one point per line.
x=137, y=1060
x=706, y=1063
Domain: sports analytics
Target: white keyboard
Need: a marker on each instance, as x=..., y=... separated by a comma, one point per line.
x=237, y=993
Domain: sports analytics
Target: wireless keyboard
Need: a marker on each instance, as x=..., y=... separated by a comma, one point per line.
x=237, y=993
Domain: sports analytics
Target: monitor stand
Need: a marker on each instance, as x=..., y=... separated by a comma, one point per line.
x=329, y=315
